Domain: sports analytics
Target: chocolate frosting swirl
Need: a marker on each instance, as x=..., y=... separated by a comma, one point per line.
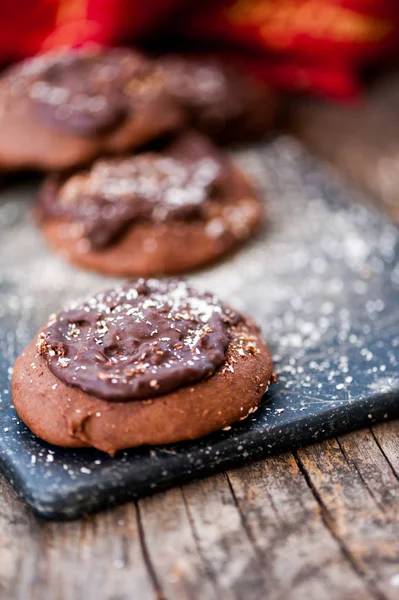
x=137, y=341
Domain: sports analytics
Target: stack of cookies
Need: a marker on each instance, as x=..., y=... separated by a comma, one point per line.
x=137, y=187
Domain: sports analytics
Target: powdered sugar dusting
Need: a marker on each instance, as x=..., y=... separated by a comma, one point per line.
x=145, y=338
x=147, y=177
x=86, y=90
x=322, y=279
x=296, y=278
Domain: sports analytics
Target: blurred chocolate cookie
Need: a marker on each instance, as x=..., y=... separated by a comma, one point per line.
x=220, y=98
x=63, y=109
x=150, y=362
x=160, y=212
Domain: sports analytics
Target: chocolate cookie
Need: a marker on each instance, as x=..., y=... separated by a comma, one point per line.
x=59, y=110
x=219, y=97
x=155, y=213
x=150, y=362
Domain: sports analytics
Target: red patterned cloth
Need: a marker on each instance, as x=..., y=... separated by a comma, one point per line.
x=319, y=46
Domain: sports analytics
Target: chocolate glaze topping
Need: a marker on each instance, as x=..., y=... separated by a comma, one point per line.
x=215, y=93
x=147, y=338
x=85, y=92
x=175, y=184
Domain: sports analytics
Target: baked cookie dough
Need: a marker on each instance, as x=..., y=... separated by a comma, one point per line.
x=63, y=109
x=162, y=212
x=150, y=362
x=220, y=98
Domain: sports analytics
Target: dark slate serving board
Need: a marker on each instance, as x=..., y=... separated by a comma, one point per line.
x=323, y=281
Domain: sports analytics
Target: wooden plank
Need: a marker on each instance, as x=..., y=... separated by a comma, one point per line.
x=97, y=557
x=223, y=542
x=326, y=526
x=92, y=559
x=364, y=454
x=368, y=535
x=172, y=550
x=20, y=545
x=387, y=436
x=300, y=556
x=361, y=138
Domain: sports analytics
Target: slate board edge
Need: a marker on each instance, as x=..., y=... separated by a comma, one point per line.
x=329, y=423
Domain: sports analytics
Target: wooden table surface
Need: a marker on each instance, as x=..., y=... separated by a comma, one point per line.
x=321, y=522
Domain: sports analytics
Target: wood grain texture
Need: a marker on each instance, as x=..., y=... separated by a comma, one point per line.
x=361, y=138
x=223, y=541
x=98, y=557
x=340, y=476
x=319, y=523
x=302, y=559
x=172, y=548
x=387, y=435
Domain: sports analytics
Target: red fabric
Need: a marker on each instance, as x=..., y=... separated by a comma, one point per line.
x=314, y=45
